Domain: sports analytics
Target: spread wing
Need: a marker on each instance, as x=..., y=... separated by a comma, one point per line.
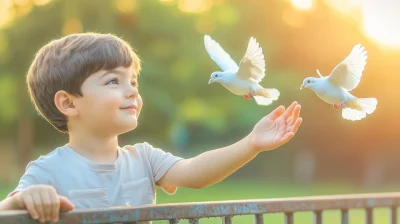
x=347, y=74
x=252, y=65
x=219, y=55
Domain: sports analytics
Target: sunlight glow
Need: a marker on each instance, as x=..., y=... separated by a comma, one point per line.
x=195, y=6
x=72, y=26
x=304, y=5
x=125, y=6
x=381, y=21
x=21, y=2
x=41, y=2
x=5, y=3
x=347, y=7
x=6, y=16
x=293, y=18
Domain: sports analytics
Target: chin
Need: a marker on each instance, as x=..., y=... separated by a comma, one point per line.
x=127, y=127
x=124, y=125
x=130, y=126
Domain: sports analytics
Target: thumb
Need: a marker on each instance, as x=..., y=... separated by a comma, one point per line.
x=65, y=204
x=276, y=113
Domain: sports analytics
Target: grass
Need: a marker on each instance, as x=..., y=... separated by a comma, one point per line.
x=242, y=190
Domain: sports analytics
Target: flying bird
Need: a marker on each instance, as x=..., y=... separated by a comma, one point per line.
x=242, y=80
x=334, y=89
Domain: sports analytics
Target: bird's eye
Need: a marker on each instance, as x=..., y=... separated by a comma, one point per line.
x=308, y=81
x=216, y=76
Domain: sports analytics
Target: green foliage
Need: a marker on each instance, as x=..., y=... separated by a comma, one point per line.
x=180, y=108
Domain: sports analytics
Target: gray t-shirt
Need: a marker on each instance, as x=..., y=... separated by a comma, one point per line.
x=130, y=180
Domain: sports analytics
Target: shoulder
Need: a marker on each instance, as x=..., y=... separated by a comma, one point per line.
x=47, y=161
x=145, y=151
x=139, y=148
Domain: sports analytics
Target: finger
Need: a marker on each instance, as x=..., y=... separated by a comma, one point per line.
x=46, y=200
x=292, y=119
x=290, y=110
x=55, y=205
x=296, y=112
x=28, y=201
x=65, y=204
x=39, y=206
x=289, y=121
x=289, y=124
x=286, y=138
x=297, y=125
x=276, y=113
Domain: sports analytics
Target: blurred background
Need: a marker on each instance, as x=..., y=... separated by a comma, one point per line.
x=184, y=115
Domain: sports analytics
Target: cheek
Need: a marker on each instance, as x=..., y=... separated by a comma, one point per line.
x=139, y=102
x=105, y=101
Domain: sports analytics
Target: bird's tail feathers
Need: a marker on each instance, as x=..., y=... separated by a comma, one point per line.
x=266, y=96
x=269, y=93
x=260, y=100
x=368, y=105
x=353, y=114
x=364, y=106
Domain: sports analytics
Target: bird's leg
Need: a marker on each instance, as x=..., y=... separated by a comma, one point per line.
x=342, y=105
x=250, y=95
x=247, y=97
x=336, y=106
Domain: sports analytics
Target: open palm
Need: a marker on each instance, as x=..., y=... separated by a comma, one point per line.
x=276, y=128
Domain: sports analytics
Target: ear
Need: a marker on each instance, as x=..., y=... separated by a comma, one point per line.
x=65, y=103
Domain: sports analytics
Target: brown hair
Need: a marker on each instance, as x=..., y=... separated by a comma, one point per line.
x=65, y=63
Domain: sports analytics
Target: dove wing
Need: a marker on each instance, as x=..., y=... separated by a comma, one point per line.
x=252, y=65
x=219, y=56
x=348, y=73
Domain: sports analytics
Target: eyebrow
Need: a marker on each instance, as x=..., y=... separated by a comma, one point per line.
x=118, y=73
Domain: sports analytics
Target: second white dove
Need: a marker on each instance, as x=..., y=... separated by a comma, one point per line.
x=334, y=89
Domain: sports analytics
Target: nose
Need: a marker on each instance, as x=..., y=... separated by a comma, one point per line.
x=131, y=92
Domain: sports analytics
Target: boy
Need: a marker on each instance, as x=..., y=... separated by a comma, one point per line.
x=86, y=85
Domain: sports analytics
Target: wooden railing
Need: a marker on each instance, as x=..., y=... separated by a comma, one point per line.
x=195, y=212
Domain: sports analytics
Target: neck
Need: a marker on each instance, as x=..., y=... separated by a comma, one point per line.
x=95, y=147
x=228, y=76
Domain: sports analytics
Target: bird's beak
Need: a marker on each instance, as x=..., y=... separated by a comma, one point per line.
x=301, y=87
x=210, y=81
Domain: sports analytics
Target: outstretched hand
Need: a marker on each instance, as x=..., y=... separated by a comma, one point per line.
x=276, y=129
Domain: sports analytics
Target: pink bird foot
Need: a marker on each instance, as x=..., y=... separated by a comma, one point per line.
x=247, y=97
x=342, y=105
x=250, y=95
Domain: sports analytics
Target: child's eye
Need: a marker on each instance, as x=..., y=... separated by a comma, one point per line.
x=111, y=82
x=134, y=84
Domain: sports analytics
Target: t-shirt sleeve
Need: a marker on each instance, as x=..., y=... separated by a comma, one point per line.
x=36, y=173
x=161, y=162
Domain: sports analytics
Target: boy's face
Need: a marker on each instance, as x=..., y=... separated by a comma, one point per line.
x=111, y=102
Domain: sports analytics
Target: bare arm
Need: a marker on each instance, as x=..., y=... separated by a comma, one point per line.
x=212, y=166
x=9, y=204
x=209, y=167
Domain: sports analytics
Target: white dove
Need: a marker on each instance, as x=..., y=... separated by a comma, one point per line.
x=244, y=79
x=334, y=89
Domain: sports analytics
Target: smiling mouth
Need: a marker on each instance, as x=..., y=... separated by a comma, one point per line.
x=131, y=109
